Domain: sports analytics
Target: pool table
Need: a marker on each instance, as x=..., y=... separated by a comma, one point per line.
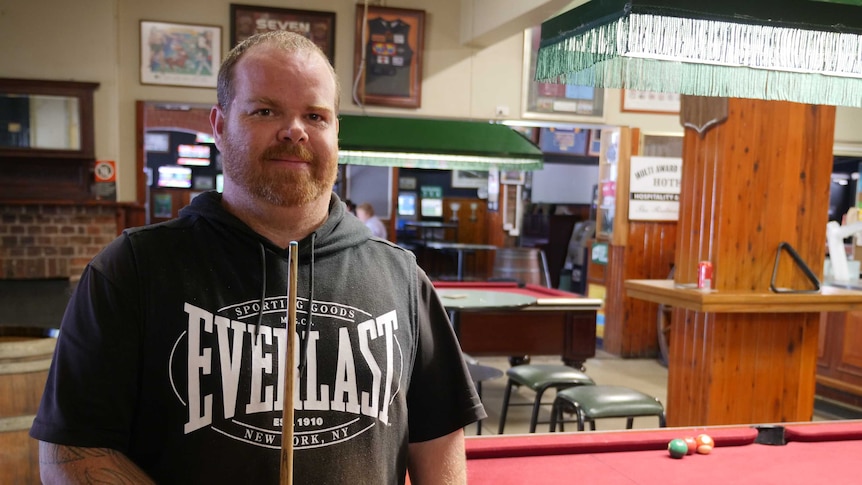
x=814, y=453
x=558, y=322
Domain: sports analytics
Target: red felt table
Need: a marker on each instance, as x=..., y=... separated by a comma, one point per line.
x=815, y=453
x=560, y=322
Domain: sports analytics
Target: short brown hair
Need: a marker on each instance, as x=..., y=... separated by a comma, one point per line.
x=367, y=208
x=287, y=41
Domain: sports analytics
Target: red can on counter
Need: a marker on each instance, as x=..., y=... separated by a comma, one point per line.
x=704, y=275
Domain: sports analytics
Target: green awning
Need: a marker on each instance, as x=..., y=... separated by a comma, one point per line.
x=434, y=143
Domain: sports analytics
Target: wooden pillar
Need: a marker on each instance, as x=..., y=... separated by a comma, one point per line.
x=751, y=181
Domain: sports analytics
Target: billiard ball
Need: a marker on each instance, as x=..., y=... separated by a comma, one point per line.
x=677, y=448
x=704, y=449
x=704, y=439
x=692, y=444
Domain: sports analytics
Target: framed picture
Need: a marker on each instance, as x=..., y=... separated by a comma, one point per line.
x=407, y=183
x=559, y=102
x=649, y=102
x=319, y=27
x=512, y=177
x=180, y=54
x=388, y=56
x=469, y=179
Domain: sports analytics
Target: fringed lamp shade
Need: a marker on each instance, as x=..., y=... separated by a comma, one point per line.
x=793, y=50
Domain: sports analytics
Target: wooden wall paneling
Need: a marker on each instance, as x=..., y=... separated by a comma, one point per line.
x=750, y=183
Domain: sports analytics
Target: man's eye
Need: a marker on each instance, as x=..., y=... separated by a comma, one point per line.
x=315, y=117
x=263, y=112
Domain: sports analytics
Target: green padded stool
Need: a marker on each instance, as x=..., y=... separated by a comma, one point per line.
x=590, y=403
x=539, y=378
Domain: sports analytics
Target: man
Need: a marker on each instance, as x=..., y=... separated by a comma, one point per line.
x=168, y=363
x=365, y=213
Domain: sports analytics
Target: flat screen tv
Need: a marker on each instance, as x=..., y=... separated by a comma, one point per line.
x=175, y=177
x=431, y=208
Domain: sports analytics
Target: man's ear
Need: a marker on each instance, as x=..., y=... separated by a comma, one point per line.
x=217, y=122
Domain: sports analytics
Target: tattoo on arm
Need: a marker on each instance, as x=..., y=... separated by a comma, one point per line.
x=89, y=465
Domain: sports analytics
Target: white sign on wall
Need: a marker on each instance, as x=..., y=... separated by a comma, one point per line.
x=654, y=184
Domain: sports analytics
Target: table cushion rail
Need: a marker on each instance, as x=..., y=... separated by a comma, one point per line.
x=601, y=442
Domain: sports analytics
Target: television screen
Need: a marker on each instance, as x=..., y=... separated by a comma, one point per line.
x=432, y=208
x=195, y=162
x=406, y=204
x=193, y=151
x=173, y=176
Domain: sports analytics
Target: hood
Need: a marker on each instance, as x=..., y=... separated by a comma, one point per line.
x=340, y=230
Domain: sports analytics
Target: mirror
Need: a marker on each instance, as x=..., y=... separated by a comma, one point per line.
x=42, y=118
x=40, y=121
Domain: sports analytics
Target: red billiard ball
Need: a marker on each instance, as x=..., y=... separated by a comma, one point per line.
x=692, y=444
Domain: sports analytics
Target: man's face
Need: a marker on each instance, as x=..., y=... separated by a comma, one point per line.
x=279, y=135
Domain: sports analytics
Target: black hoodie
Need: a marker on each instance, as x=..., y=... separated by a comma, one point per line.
x=164, y=354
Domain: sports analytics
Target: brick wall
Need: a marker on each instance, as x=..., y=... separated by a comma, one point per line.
x=52, y=240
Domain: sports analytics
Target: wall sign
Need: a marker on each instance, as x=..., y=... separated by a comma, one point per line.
x=654, y=184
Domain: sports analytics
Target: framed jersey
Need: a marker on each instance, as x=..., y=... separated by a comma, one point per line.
x=388, y=56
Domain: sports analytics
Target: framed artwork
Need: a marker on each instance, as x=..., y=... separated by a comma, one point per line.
x=180, y=54
x=512, y=177
x=649, y=102
x=469, y=179
x=560, y=102
x=407, y=183
x=388, y=56
x=319, y=27
x=564, y=141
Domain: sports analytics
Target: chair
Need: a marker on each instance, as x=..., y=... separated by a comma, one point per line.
x=539, y=378
x=589, y=403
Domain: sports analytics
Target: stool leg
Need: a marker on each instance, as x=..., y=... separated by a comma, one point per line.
x=580, y=417
x=505, y=410
x=536, y=405
x=555, y=411
x=630, y=422
x=662, y=422
x=479, y=422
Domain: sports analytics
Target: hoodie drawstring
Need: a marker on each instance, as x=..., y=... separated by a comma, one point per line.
x=262, y=293
x=303, y=336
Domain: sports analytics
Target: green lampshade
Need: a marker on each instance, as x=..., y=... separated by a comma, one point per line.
x=434, y=143
x=794, y=50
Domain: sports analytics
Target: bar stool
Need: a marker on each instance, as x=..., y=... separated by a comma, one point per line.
x=539, y=378
x=590, y=403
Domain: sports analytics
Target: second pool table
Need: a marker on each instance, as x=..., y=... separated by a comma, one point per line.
x=559, y=322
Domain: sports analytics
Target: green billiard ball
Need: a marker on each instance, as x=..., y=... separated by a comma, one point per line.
x=677, y=448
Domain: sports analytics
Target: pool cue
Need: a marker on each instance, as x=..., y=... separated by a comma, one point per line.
x=286, y=469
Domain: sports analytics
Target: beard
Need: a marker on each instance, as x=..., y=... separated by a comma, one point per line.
x=285, y=188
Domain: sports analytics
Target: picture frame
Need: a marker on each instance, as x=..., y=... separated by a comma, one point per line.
x=469, y=179
x=633, y=101
x=387, y=62
x=178, y=54
x=558, y=102
x=512, y=177
x=317, y=26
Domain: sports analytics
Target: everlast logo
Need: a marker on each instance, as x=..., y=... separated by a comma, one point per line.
x=366, y=362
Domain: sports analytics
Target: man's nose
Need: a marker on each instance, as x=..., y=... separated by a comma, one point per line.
x=293, y=131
